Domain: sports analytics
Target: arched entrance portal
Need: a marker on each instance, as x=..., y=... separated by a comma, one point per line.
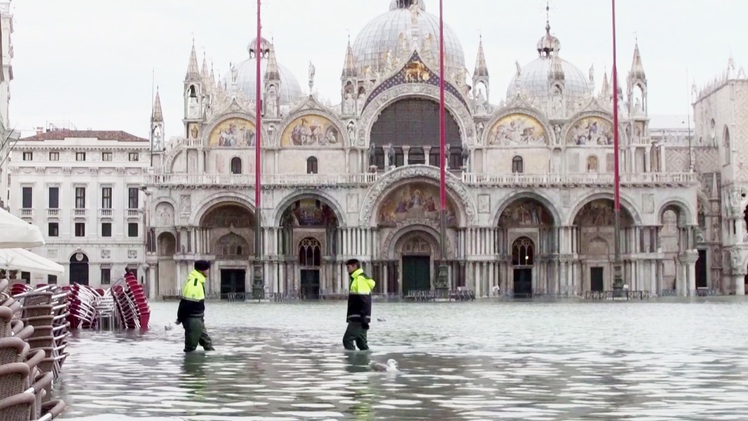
x=416, y=260
x=523, y=259
x=230, y=239
x=594, y=242
x=525, y=231
x=79, y=269
x=308, y=244
x=409, y=209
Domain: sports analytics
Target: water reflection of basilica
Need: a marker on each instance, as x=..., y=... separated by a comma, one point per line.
x=529, y=184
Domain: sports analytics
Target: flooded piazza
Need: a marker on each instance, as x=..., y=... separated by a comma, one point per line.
x=665, y=360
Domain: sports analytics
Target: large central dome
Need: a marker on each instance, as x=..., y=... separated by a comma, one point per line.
x=382, y=35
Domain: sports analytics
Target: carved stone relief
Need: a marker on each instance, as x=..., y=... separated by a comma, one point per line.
x=484, y=203
x=352, y=204
x=648, y=203
x=185, y=204
x=165, y=214
x=416, y=245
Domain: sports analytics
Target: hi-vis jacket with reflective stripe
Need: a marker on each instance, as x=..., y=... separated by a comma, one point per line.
x=192, y=303
x=359, y=297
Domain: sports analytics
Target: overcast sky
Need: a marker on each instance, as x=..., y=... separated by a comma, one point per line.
x=90, y=63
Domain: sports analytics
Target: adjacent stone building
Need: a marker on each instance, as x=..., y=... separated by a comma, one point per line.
x=83, y=188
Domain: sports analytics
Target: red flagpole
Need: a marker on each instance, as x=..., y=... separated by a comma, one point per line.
x=258, y=114
x=442, y=115
x=443, y=284
x=258, y=281
x=617, y=275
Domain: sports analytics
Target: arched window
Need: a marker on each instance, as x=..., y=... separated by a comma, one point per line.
x=236, y=165
x=518, y=166
x=523, y=252
x=592, y=163
x=726, y=145
x=310, y=252
x=311, y=165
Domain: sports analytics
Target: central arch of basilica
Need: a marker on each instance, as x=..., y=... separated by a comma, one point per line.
x=529, y=177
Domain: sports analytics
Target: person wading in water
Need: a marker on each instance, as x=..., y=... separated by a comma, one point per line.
x=359, y=307
x=191, y=312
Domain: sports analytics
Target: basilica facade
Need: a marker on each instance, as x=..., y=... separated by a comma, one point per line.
x=530, y=176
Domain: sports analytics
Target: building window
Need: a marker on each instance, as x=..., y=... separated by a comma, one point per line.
x=236, y=165
x=106, y=198
x=52, y=279
x=132, y=229
x=106, y=276
x=28, y=156
x=132, y=197
x=54, y=197
x=311, y=165
x=54, y=156
x=80, y=197
x=26, y=277
x=26, y=198
x=80, y=229
x=592, y=164
x=80, y=156
x=53, y=229
x=518, y=165
x=106, y=229
x=106, y=156
x=133, y=156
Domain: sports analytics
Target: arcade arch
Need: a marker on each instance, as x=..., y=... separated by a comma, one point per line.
x=593, y=240
x=308, y=241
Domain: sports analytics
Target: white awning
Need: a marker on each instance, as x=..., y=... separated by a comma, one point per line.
x=26, y=261
x=15, y=232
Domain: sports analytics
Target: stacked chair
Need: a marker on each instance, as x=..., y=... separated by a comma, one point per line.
x=33, y=328
x=123, y=306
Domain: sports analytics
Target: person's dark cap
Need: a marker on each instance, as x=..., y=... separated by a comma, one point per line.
x=202, y=265
x=353, y=262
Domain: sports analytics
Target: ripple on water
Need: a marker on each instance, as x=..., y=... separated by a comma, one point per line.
x=651, y=361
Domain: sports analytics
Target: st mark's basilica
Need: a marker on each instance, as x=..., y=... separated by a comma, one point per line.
x=530, y=176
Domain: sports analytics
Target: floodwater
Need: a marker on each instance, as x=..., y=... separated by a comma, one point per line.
x=459, y=361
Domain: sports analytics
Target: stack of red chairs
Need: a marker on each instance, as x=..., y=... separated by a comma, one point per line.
x=137, y=295
x=82, y=301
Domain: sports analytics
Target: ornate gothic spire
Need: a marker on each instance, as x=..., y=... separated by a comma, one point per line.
x=193, y=72
x=158, y=115
x=481, y=68
x=349, y=66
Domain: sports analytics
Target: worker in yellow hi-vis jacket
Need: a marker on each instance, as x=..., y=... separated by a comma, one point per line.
x=359, y=307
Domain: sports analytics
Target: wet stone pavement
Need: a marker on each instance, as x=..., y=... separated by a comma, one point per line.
x=666, y=360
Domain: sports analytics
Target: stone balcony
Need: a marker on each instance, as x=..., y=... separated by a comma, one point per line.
x=477, y=180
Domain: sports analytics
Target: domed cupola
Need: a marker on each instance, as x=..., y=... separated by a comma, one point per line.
x=550, y=76
x=406, y=27
x=245, y=72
